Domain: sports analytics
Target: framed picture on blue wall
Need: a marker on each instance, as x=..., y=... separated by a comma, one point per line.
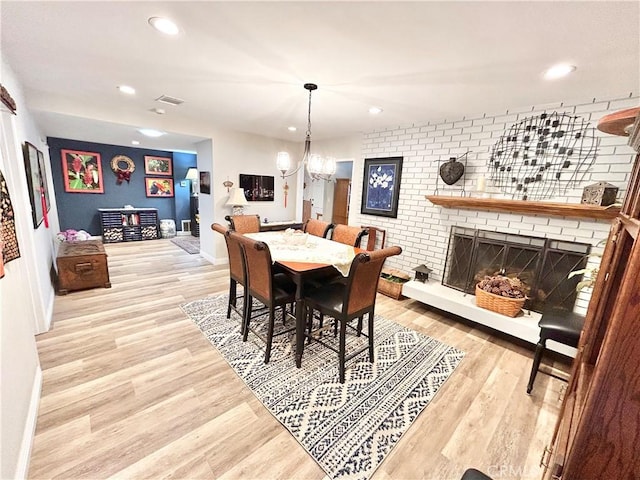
x=381, y=186
x=159, y=187
x=158, y=165
x=82, y=172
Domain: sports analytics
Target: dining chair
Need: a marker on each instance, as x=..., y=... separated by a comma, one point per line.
x=237, y=274
x=346, y=301
x=558, y=325
x=272, y=289
x=348, y=235
x=244, y=223
x=317, y=228
x=373, y=234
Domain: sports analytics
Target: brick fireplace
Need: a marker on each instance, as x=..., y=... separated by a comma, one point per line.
x=423, y=228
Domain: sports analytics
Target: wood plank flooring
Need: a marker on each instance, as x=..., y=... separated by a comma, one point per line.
x=132, y=389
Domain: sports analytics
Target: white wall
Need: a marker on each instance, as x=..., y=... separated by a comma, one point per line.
x=345, y=149
x=26, y=291
x=422, y=229
x=227, y=156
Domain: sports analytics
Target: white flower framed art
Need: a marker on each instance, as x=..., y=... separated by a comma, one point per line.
x=381, y=186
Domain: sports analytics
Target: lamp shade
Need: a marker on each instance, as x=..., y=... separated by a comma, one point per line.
x=237, y=198
x=192, y=174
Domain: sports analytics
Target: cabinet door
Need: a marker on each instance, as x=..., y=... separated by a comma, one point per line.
x=608, y=418
x=606, y=440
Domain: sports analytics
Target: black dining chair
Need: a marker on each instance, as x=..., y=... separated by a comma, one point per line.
x=561, y=326
x=263, y=284
x=346, y=301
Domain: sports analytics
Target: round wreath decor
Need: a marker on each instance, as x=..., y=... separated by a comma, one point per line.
x=122, y=173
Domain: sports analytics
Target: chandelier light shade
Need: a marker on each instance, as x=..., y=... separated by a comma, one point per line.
x=319, y=168
x=283, y=162
x=237, y=200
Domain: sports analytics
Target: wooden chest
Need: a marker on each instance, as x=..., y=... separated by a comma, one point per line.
x=82, y=265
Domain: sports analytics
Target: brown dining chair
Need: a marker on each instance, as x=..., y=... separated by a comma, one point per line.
x=347, y=301
x=373, y=234
x=272, y=289
x=237, y=273
x=244, y=223
x=348, y=235
x=317, y=228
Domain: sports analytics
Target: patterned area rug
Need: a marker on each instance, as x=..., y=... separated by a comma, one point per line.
x=189, y=243
x=347, y=428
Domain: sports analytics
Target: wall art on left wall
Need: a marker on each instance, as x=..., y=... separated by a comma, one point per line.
x=82, y=172
x=33, y=182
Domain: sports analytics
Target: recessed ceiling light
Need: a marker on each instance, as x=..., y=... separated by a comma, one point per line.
x=149, y=132
x=135, y=142
x=292, y=129
x=375, y=110
x=558, y=71
x=127, y=89
x=159, y=111
x=164, y=25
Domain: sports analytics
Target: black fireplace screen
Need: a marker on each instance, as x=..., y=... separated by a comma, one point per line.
x=541, y=264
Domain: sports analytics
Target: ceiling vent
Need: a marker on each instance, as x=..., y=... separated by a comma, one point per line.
x=169, y=100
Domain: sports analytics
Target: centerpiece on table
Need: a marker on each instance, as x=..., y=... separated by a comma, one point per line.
x=501, y=294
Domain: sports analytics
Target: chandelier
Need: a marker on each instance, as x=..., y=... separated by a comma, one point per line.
x=319, y=168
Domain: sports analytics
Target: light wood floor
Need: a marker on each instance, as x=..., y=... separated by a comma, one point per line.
x=133, y=390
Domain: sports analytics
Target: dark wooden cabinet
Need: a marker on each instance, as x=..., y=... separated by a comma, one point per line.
x=128, y=224
x=598, y=430
x=195, y=217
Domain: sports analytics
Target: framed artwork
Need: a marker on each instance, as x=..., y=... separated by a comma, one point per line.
x=43, y=180
x=158, y=166
x=205, y=182
x=257, y=188
x=33, y=182
x=82, y=172
x=159, y=187
x=381, y=186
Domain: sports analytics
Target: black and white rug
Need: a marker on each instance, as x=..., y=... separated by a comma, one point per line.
x=188, y=243
x=347, y=428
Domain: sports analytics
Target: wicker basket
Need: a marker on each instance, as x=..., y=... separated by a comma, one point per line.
x=392, y=289
x=499, y=304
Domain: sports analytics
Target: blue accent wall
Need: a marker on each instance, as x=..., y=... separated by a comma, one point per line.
x=79, y=211
x=181, y=163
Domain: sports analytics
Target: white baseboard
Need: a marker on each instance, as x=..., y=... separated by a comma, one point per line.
x=209, y=258
x=22, y=468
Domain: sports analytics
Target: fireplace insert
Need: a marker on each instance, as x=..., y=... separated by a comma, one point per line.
x=542, y=264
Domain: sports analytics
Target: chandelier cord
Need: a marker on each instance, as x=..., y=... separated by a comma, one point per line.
x=309, y=116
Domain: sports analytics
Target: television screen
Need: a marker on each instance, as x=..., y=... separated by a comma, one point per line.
x=257, y=188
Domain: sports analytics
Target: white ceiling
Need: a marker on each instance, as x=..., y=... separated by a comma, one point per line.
x=241, y=65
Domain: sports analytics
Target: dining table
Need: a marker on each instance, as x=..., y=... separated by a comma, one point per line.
x=304, y=257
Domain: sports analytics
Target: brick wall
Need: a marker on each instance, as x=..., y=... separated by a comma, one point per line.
x=422, y=229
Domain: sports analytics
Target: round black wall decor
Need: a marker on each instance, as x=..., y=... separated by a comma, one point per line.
x=540, y=157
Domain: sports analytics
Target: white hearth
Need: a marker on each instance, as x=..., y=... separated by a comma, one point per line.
x=524, y=326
